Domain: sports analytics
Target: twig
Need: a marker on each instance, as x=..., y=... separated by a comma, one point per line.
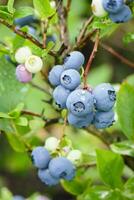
x=39, y=88
x=91, y=59
x=24, y=35
x=84, y=29
x=63, y=23
x=68, y=6
x=117, y=55
x=83, y=41
x=87, y=165
x=25, y=112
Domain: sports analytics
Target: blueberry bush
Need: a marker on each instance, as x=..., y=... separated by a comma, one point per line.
x=66, y=100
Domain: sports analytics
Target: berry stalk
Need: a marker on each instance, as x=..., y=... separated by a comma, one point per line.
x=91, y=59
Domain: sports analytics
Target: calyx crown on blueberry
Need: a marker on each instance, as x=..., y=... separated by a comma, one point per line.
x=52, y=167
x=82, y=104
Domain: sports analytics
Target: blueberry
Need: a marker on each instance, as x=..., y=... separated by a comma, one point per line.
x=105, y=97
x=55, y=74
x=113, y=6
x=104, y=119
x=60, y=95
x=70, y=79
x=61, y=167
x=47, y=178
x=22, y=74
x=25, y=20
x=18, y=197
x=40, y=157
x=74, y=60
x=80, y=122
x=80, y=102
x=122, y=16
x=50, y=38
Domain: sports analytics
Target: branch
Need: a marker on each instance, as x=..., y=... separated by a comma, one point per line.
x=25, y=112
x=91, y=59
x=68, y=7
x=63, y=23
x=24, y=35
x=117, y=55
x=83, y=30
x=39, y=88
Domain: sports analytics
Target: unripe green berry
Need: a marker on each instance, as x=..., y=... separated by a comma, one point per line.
x=22, y=54
x=97, y=8
x=34, y=64
x=74, y=156
x=51, y=144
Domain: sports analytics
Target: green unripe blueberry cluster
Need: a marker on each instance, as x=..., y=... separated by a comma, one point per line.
x=28, y=64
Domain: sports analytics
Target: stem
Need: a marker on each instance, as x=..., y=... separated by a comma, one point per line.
x=84, y=29
x=63, y=23
x=117, y=55
x=25, y=112
x=68, y=6
x=91, y=59
x=39, y=88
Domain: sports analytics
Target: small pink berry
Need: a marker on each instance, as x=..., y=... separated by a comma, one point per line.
x=22, y=74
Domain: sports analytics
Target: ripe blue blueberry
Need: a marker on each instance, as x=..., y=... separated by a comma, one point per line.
x=70, y=79
x=74, y=60
x=104, y=119
x=80, y=122
x=40, y=157
x=60, y=95
x=80, y=102
x=61, y=167
x=113, y=6
x=105, y=97
x=47, y=178
x=22, y=74
x=51, y=38
x=122, y=16
x=18, y=197
x=25, y=20
x=55, y=74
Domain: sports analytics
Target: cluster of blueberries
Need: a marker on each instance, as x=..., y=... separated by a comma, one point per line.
x=51, y=170
x=118, y=10
x=28, y=64
x=85, y=106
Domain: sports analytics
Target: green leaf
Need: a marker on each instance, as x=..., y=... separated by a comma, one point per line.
x=5, y=15
x=15, y=113
x=75, y=187
x=15, y=141
x=4, y=115
x=105, y=73
x=124, y=148
x=21, y=121
x=110, y=166
x=95, y=193
x=125, y=109
x=129, y=188
x=5, y=125
x=10, y=6
x=12, y=92
x=130, y=79
x=44, y=8
x=23, y=12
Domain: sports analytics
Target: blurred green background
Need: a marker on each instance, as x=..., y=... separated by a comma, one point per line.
x=16, y=171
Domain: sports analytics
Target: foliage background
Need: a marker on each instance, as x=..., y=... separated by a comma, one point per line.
x=16, y=171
